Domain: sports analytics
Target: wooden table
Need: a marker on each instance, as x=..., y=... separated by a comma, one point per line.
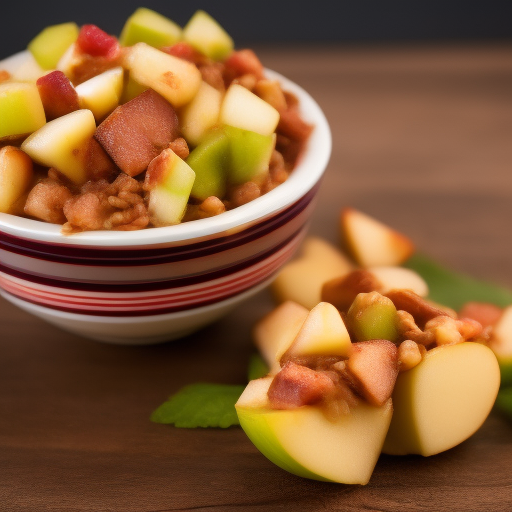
x=422, y=140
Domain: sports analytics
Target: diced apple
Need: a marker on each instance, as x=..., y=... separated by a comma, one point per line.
x=301, y=280
x=243, y=109
x=374, y=365
x=131, y=89
x=137, y=131
x=443, y=400
x=207, y=36
x=62, y=144
x=51, y=44
x=95, y=42
x=372, y=317
x=15, y=176
x=275, y=332
x=149, y=27
x=177, y=80
x=101, y=94
x=371, y=242
x=21, y=110
x=210, y=162
x=400, y=278
x=200, y=114
x=22, y=67
x=323, y=333
x=306, y=443
x=246, y=62
x=483, y=312
x=58, y=95
x=169, y=181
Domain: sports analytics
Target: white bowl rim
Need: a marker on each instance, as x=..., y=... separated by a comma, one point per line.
x=304, y=177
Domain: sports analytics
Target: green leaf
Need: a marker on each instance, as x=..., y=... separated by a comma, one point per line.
x=257, y=367
x=453, y=289
x=504, y=402
x=200, y=405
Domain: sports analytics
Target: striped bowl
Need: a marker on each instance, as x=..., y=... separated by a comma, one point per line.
x=159, y=284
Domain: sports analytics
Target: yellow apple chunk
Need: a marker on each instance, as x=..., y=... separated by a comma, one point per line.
x=177, y=80
x=323, y=333
x=101, y=94
x=301, y=280
x=444, y=400
x=306, y=443
x=21, y=110
x=63, y=143
x=275, y=332
x=15, y=176
x=400, y=278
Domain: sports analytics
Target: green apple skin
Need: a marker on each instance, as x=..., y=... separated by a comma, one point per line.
x=207, y=36
x=250, y=154
x=305, y=443
x=210, y=162
x=21, y=110
x=444, y=400
x=51, y=44
x=149, y=27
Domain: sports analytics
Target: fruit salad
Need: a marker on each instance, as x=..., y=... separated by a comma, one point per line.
x=361, y=362
x=159, y=126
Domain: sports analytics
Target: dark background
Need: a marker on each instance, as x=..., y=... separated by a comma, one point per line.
x=277, y=21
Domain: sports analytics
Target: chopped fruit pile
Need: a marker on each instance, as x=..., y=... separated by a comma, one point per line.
x=160, y=126
x=362, y=362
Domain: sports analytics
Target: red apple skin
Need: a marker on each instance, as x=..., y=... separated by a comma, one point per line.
x=243, y=62
x=138, y=131
x=483, y=312
x=57, y=94
x=97, y=43
x=185, y=51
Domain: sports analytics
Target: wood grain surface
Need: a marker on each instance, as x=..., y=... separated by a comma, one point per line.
x=422, y=139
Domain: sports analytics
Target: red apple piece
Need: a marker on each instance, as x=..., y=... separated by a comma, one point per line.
x=97, y=43
x=57, y=94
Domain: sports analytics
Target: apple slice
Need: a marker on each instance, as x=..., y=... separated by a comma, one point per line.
x=275, y=332
x=371, y=242
x=323, y=333
x=201, y=114
x=243, y=109
x=169, y=181
x=207, y=36
x=301, y=280
x=149, y=27
x=443, y=400
x=306, y=443
x=21, y=110
x=63, y=143
x=101, y=94
x=177, y=80
x=501, y=343
x=51, y=44
x=16, y=175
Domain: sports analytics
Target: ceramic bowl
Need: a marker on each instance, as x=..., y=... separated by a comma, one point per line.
x=159, y=284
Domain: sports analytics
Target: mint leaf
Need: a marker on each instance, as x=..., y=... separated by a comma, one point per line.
x=257, y=367
x=200, y=405
x=453, y=289
x=504, y=402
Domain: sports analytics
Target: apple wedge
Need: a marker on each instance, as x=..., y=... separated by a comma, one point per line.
x=303, y=441
x=301, y=280
x=16, y=175
x=21, y=110
x=371, y=242
x=63, y=144
x=177, y=80
x=443, y=400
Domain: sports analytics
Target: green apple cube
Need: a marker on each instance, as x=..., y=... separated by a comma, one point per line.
x=21, y=110
x=241, y=108
x=372, y=317
x=62, y=144
x=207, y=36
x=101, y=94
x=149, y=27
x=303, y=441
x=177, y=80
x=170, y=182
x=201, y=114
x=51, y=44
x=210, y=162
x=131, y=89
x=250, y=154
